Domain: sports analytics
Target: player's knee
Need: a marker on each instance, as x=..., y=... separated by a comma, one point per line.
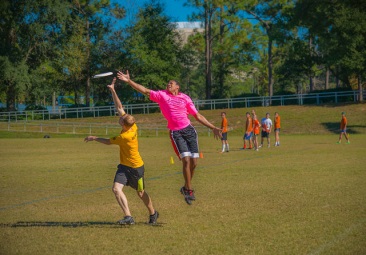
x=116, y=190
x=141, y=193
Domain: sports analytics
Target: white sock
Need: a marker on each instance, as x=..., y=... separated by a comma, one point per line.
x=227, y=147
x=223, y=148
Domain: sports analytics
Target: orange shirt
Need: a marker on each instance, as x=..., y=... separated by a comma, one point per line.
x=256, y=127
x=224, y=125
x=343, y=122
x=277, y=122
x=249, y=125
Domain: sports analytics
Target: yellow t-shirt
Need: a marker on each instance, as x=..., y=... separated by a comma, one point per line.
x=128, y=147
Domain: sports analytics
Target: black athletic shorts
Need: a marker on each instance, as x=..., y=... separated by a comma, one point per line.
x=264, y=134
x=128, y=176
x=185, y=142
x=224, y=136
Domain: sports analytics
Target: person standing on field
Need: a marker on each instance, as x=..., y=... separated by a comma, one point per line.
x=224, y=126
x=175, y=106
x=256, y=129
x=248, y=132
x=266, y=123
x=343, y=129
x=277, y=127
x=130, y=171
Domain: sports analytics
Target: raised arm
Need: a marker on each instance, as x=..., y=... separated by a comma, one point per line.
x=117, y=102
x=134, y=85
x=201, y=119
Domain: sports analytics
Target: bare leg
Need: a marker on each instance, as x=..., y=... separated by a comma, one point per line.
x=193, y=165
x=121, y=198
x=147, y=201
x=187, y=172
x=189, y=165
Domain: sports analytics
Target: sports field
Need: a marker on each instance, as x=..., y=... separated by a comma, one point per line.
x=307, y=196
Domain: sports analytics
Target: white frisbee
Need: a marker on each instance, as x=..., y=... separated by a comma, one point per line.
x=103, y=75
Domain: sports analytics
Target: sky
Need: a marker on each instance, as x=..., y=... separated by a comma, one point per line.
x=173, y=8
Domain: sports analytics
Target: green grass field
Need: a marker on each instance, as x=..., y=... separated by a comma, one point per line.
x=307, y=196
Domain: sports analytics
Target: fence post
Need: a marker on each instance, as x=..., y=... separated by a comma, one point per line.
x=9, y=125
x=73, y=128
x=336, y=97
x=41, y=128
x=106, y=130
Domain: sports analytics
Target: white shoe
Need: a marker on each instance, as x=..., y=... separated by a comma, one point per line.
x=260, y=146
x=268, y=146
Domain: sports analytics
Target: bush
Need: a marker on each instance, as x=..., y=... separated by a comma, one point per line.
x=33, y=107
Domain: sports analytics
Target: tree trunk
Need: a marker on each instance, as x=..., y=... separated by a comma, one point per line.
x=270, y=67
x=208, y=53
x=10, y=98
x=87, y=89
x=360, y=91
x=327, y=79
x=311, y=81
x=221, y=55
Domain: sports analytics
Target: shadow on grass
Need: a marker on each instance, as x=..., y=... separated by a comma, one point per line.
x=334, y=127
x=99, y=224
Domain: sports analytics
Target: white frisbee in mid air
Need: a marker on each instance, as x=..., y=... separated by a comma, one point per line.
x=103, y=75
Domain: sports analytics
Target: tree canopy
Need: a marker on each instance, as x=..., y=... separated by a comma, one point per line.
x=251, y=47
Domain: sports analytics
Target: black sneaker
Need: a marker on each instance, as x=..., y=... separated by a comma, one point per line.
x=154, y=218
x=188, y=195
x=127, y=220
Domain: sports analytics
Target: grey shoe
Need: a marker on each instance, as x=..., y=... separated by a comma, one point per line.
x=154, y=217
x=188, y=195
x=127, y=220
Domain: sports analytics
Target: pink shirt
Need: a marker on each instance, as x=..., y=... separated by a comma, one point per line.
x=174, y=108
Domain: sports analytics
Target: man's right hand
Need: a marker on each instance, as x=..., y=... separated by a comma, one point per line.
x=123, y=77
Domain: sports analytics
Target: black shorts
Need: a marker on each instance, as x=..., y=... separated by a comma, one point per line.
x=185, y=142
x=224, y=136
x=128, y=176
x=264, y=134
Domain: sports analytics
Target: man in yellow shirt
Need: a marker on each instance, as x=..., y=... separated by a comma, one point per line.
x=131, y=170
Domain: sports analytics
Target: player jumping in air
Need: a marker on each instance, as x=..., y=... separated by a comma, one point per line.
x=175, y=106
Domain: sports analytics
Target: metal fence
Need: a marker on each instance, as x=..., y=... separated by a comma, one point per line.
x=244, y=102
x=47, y=128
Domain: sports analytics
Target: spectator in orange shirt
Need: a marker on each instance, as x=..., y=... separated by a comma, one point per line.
x=343, y=129
x=248, y=132
x=256, y=128
x=277, y=127
x=225, y=143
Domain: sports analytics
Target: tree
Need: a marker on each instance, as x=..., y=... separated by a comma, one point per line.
x=29, y=30
x=269, y=15
x=338, y=34
x=152, y=48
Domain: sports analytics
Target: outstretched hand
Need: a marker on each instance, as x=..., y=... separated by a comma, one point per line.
x=123, y=77
x=89, y=138
x=217, y=133
x=111, y=86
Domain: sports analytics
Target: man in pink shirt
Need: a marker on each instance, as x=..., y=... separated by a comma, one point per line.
x=175, y=106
